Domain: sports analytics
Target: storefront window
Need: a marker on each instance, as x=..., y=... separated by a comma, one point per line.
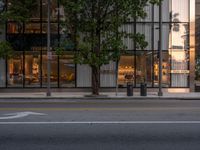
x=54, y=28
x=126, y=70
x=54, y=70
x=54, y=10
x=15, y=70
x=67, y=71
x=108, y=75
x=146, y=30
x=144, y=68
x=32, y=28
x=179, y=68
x=36, y=14
x=13, y=27
x=165, y=70
x=179, y=52
x=32, y=69
x=180, y=11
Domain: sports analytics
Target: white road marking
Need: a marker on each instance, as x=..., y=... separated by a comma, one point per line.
x=104, y=122
x=19, y=115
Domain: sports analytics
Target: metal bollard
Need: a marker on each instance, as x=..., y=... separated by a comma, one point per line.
x=143, y=89
x=129, y=89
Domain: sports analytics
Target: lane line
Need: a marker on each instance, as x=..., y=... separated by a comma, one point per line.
x=100, y=109
x=100, y=122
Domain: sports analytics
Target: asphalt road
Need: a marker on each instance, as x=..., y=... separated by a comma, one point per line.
x=101, y=125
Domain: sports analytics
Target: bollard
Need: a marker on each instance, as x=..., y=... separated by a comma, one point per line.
x=129, y=89
x=143, y=89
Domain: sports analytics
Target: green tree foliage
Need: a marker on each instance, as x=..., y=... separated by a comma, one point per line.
x=6, y=50
x=95, y=27
x=197, y=68
x=19, y=11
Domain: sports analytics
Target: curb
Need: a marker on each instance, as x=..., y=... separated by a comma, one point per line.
x=63, y=99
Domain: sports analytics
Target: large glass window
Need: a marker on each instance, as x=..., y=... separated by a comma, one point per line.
x=129, y=28
x=67, y=71
x=165, y=36
x=146, y=29
x=126, y=70
x=108, y=75
x=144, y=68
x=54, y=28
x=32, y=69
x=13, y=27
x=32, y=28
x=15, y=70
x=179, y=68
x=166, y=11
x=54, y=10
x=148, y=10
x=54, y=70
x=180, y=36
x=165, y=69
x=180, y=11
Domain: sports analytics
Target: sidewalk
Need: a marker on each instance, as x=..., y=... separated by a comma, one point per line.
x=103, y=96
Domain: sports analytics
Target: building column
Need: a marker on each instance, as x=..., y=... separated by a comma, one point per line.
x=192, y=46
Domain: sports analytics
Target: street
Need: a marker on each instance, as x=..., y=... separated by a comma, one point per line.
x=102, y=125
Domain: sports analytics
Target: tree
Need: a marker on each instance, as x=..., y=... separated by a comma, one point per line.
x=6, y=50
x=94, y=28
x=19, y=11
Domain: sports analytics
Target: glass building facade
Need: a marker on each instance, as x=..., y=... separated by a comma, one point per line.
x=28, y=67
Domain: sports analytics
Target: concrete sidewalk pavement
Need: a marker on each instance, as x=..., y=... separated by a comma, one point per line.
x=103, y=95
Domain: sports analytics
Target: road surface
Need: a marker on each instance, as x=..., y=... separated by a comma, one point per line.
x=101, y=125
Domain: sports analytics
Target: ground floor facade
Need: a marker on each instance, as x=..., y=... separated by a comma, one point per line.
x=28, y=66
x=29, y=69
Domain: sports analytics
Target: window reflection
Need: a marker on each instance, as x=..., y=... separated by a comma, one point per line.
x=54, y=10
x=36, y=14
x=15, y=70
x=13, y=27
x=54, y=28
x=180, y=36
x=67, y=71
x=143, y=68
x=32, y=69
x=179, y=68
x=180, y=11
x=165, y=69
x=54, y=70
x=32, y=28
x=126, y=70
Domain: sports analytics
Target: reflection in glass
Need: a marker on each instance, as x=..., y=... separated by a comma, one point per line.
x=15, y=70
x=54, y=28
x=165, y=70
x=32, y=28
x=143, y=68
x=180, y=36
x=54, y=10
x=67, y=71
x=54, y=70
x=179, y=54
x=36, y=14
x=126, y=70
x=145, y=28
x=179, y=68
x=32, y=69
x=180, y=11
x=13, y=27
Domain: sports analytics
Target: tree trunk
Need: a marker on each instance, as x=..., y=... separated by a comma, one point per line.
x=95, y=80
